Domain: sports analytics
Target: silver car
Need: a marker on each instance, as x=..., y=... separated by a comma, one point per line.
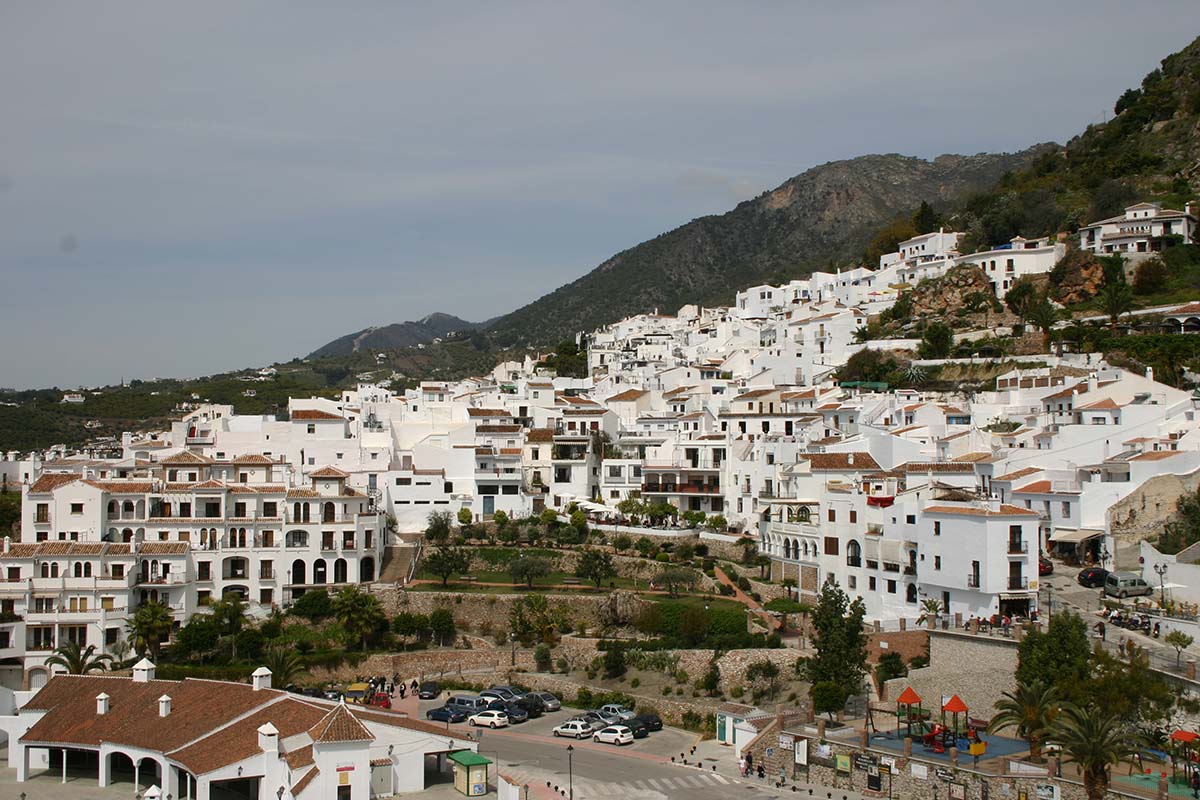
x=549, y=701
x=591, y=719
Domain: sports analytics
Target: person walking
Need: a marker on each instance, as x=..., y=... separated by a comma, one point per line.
x=1195, y=782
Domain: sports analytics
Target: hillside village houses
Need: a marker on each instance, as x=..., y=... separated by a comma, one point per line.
x=900, y=496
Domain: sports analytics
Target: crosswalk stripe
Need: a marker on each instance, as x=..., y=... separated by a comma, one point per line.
x=654, y=783
x=641, y=785
x=719, y=778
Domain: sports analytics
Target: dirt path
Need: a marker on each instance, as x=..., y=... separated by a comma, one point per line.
x=772, y=622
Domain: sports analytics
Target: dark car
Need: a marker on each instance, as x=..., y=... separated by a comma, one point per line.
x=1092, y=577
x=639, y=728
x=429, y=690
x=444, y=714
x=312, y=691
x=532, y=705
x=516, y=714
x=1045, y=566
x=653, y=722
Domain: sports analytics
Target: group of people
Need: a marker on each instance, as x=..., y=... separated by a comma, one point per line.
x=746, y=767
x=380, y=684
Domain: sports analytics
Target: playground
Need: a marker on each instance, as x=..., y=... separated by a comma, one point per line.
x=1178, y=763
x=953, y=727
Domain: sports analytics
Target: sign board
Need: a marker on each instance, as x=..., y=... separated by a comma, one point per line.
x=843, y=763
x=874, y=780
x=957, y=791
x=919, y=771
x=824, y=751
x=801, y=751
x=977, y=748
x=944, y=774
x=865, y=762
x=786, y=741
x=887, y=764
x=1047, y=791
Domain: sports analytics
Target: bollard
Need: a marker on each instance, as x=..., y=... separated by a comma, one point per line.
x=954, y=756
x=841, y=715
x=809, y=714
x=1052, y=766
x=908, y=747
x=1162, y=787
x=930, y=622
x=864, y=736
x=903, y=624
x=820, y=729
x=1191, y=669
x=958, y=619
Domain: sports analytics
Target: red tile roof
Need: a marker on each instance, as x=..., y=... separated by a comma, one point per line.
x=862, y=462
x=51, y=481
x=975, y=511
x=339, y=725
x=313, y=414
x=328, y=472
x=185, y=457
x=628, y=395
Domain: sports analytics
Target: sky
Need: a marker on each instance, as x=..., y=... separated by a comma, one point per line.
x=188, y=188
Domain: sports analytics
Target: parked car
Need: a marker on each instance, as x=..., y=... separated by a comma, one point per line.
x=639, y=728
x=491, y=695
x=1125, y=584
x=468, y=703
x=488, y=719
x=622, y=713
x=312, y=691
x=573, y=728
x=653, y=721
x=333, y=694
x=381, y=700
x=614, y=734
x=531, y=704
x=1092, y=577
x=1045, y=566
x=446, y=714
x=608, y=717
x=506, y=692
x=593, y=720
x=549, y=701
x=516, y=714
x=358, y=693
x=429, y=690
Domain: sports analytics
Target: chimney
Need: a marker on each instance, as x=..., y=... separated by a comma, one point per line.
x=101, y=704
x=261, y=679
x=850, y=459
x=164, y=705
x=268, y=738
x=143, y=671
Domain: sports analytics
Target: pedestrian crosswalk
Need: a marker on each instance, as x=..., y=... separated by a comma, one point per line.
x=639, y=789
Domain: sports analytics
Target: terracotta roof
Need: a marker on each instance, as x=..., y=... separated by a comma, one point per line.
x=539, y=435
x=163, y=548
x=1021, y=473
x=918, y=467
x=754, y=393
x=1156, y=455
x=510, y=451
x=863, y=462
x=1190, y=308
x=313, y=414
x=253, y=458
x=339, y=725
x=973, y=457
x=1078, y=388
x=51, y=481
x=329, y=472
x=1004, y=510
x=1107, y=404
x=302, y=784
x=488, y=412
x=497, y=429
x=299, y=757
x=123, y=487
x=239, y=741
x=628, y=395
x=185, y=457
x=1037, y=487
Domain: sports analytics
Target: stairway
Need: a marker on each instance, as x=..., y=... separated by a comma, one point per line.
x=397, y=561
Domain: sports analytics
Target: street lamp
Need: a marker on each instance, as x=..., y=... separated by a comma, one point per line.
x=571, y=771
x=513, y=638
x=1161, y=571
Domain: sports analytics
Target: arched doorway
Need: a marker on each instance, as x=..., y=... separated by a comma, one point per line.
x=328, y=514
x=320, y=571
x=339, y=571
x=366, y=570
x=911, y=593
x=299, y=573
x=120, y=768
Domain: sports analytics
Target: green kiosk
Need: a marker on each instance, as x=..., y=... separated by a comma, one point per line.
x=470, y=773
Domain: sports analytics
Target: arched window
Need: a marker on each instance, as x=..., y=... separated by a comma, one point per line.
x=339, y=571
x=320, y=571
x=127, y=507
x=87, y=570
x=54, y=570
x=853, y=554
x=804, y=514
x=366, y=570
x=45, y=570
x=112, y=508
x=78, y=569
x=298, y=571
x=911, y=593
x=328, y=512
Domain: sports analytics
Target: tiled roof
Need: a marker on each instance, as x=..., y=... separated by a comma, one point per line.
x=497, y=428
x=309, y=414
x=51, y=481
x=628, y=395
x=863, y=462
x=1156, y=455
x=753, y=393
x=302, y=784
x=123, y=487
x=1107, y=404
x=328, y=472
x=536, y=435
x=300, y=756
x=1021, y=473
x=488, y=412
x=163, y=548
x=239, y=741
x=1004, y=510
x=938, y=466
x=339, y=725
x=1037, y=487
x=185, y=458
x=253, y=458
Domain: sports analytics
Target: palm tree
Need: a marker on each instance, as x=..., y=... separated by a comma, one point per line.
x=1116, y=298
x=149, y=626
x=285, y=665
x=931, y=608
x=1042, y=314
x=78, y=661
x=229, y=614
x=361, y=614
x=1095, y=741
x=1031, y=709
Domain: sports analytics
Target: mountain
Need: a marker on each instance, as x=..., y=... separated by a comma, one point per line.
x=397, y=335
x=819, y=219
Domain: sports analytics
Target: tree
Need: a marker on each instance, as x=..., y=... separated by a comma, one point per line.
x=694, y=624
x=229, y=616
x=200, y=635
x=614, y=661
x=839, y=640
x=937, y=341
x=579, y=520
x=1030, y=709
x=764, y=671
x=645, y=546
x=718, y=523
x=1042, y=314
x=828, y=697
x=447, y=561
x=541, y=657
x=501, y=519
x=437, y=530
x=407, y=624
x=1020, y=295
x=1127, y=688
x=286, y=666
x=314, y=604
x=465, y=517
x=676, y=578
x=1095, y=740
x=441, y=623
x=548, y=518
x=925, y=219
x=76, y=660
x=622, y=542
x=533, y=617
x=1180, y=641
x=1116, y=296
x=710, y=683
x=595, y=566
x=527, y=569
x=360, y=613
x=149, y=626
x=1058, y=657
x=888, y=239
x=1150, y=277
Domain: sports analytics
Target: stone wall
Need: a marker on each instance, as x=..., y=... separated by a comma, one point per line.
x=1141, y=514
x=976, y=668
x=426, y=664
x=908, y=643
x=470, y=609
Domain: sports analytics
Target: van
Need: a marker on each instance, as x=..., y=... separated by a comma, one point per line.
x=1125, y=584
x=357, y=693
x=468, y=703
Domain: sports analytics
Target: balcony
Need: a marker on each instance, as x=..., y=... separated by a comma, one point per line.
x=170, y=579
x=680, y=488
x=1017, y=582
x=853, y=561
x=42, y=519
x=266, y=574
x=972, y=581
x=1018, y=548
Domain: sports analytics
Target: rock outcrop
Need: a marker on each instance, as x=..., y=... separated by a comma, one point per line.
x=951, y=292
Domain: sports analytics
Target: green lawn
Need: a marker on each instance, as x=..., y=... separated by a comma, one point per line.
x=553, y=579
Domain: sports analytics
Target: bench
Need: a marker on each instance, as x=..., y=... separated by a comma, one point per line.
x=468, y=578
x=571, y=581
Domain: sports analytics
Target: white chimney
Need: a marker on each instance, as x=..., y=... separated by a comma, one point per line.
x=164, y=705
x=143, y=671
x=268, y=738
x=261, y=679
x=850, y=459
x=101, y=704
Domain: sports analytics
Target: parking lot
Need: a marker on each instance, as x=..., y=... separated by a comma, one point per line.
x=665, y=743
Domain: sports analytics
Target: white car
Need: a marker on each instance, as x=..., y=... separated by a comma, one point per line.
x=489, y=719
x=614, y=734
x=575, y=728
x=621, y=713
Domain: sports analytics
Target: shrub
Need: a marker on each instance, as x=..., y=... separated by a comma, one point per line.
x=681, y=676
x=614, y=662
x=743, y=583
x=583, y=697
x=666, y=690
x=635, y=683
x=662, y=558
x=313, y=605
x=541, y=657
x=736, y=692
x=562, y=665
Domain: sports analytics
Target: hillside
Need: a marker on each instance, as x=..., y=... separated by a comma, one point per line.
x=821, y=218
x=396, y=336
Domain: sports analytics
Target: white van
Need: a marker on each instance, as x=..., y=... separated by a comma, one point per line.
x=1126, y=584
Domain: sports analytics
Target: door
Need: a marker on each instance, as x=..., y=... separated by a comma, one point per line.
x=721, y=727
x=489, y=505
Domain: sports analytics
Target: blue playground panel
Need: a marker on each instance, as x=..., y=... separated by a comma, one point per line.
x=997, y=747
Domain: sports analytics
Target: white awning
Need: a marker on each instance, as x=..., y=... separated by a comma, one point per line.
x=891, y=551
x=1073, y=536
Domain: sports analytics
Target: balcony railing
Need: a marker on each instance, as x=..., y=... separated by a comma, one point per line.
x=42, y=519
x=972, y=581
x=680, y=488
x=266, y=574
x=1018, y=582
x=852, y=561
x=1016, y=548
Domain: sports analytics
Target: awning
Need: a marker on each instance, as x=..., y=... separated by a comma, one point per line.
x=891, y=551
x=1072, y=536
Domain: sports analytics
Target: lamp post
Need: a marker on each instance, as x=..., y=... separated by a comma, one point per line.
x=513, y=638
x=571, y=771
x=1161, y=571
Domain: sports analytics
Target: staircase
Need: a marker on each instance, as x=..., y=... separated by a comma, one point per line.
x=397, y=563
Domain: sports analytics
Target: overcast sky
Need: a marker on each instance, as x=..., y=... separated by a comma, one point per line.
x=187, y=188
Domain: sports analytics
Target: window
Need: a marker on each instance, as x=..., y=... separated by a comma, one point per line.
x=937, y=562
x=43, y=513
x=1066, y=508
x=118, y=571
x=533, y=454
x=853, y=516
x=910, y=519
x=852, y=582
x=312, y=428
x=76, y=508
x=204, y=571
x=891, y=587
x=404, y=481
x=871, y=583
x=270, y=509
x=448, y=488
x=832, y=515
x=831, y=545
x=185, y=509
x=937, y=528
